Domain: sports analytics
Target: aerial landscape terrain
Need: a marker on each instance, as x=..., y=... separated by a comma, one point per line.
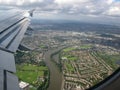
x=65, y=55
x=60, y=45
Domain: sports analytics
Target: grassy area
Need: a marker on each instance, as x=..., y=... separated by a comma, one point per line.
x=28, y=76
x=69, y=67
x=109, y=59
x=69, y=49
x=85, y=46
x=43, y=46
x=30, y=73
x=31, y=67
x=32, y=88
x=70, y=57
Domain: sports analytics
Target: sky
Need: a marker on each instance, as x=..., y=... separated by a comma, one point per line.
x=101, y=11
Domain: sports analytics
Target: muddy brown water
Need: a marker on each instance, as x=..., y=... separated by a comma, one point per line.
x=56, y=77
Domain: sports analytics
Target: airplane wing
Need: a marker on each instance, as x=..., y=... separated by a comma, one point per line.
x=12, y=29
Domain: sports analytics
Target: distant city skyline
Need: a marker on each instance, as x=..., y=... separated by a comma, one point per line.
x=100, y=11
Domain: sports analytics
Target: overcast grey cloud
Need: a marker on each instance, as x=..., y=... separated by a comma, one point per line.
x=95, y=9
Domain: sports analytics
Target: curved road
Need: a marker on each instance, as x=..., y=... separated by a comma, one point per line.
x=55, y=75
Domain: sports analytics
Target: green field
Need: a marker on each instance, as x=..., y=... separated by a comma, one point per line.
x=71, y=57
x=30, y=67
x=109, y=59
x=43, y=46
x=86, y=46
x=69, y=49
x=69, y=67
x=30, y=73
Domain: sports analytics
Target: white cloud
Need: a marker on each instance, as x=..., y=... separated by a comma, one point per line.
x=70, y=2
x=84, y=7
x=19, y=2
x=90, y=7
x=113, y=11
x=32, y=1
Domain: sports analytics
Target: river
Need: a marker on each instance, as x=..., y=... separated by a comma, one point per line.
x=56, y=77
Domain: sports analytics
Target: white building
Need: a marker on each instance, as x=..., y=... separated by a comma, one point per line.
x=24, y=85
